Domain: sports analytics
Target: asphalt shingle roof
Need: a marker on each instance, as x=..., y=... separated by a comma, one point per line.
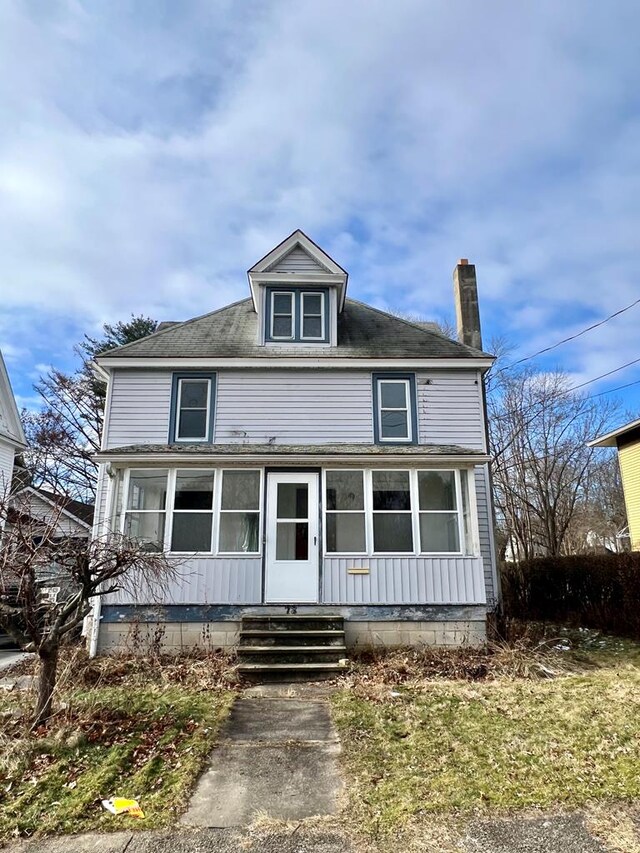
x=231, y=332
x=294, y=450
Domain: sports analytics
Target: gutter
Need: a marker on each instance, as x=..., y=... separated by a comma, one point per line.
x=298, y=460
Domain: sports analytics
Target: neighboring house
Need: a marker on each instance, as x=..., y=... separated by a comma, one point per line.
x=72, y=518
x=301, y=451
x=12, y=439
x=627, y=439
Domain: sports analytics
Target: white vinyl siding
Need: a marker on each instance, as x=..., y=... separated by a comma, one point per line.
x=7, y=454
x=294, y=407
x=450, y=408
x=297, y=261
x=140, y=408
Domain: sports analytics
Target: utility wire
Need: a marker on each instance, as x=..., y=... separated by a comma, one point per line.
x=571, y=337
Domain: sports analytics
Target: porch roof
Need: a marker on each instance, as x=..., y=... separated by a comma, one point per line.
x=292, y=454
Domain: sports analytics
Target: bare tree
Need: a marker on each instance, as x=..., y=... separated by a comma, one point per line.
x=543, y=470
x=35, y=558
x=65, y=434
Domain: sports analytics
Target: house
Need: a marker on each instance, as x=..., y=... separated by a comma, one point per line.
x=627, y=439
x=302, y=453
x=71, y=518
x=12, y=439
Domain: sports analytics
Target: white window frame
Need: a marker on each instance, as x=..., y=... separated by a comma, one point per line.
x=467, y=549
x=407, y=409
x=273, y=315
x=322, y=315
x=179, y=410
x=171, y=499
x=457, y=511
x=125, y=501
x=220, y=511
x=410, y=512
x=328, y=512
x=216, y=511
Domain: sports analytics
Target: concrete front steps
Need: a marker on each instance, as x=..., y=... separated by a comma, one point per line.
x=291, y=648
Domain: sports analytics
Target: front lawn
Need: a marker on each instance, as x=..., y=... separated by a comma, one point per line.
x=132, y=735
x=452, y=747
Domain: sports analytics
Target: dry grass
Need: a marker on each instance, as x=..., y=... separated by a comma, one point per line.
x=617, y=826
x=123, y=726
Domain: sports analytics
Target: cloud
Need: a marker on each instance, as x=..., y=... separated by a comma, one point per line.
x=150, y=153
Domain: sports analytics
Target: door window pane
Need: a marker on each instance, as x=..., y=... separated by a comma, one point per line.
x=191, y=531
x=345, y=490
x=391, y=490
x=241, y=490
x=293, y=500
x=346, y=533
x=292, y=541
x=439, y=531
x=437, y=489
x=239, y=532
x=194, y=490
x=392, y=532
x=147, y=490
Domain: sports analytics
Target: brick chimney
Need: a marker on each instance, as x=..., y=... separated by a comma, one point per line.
x=465, y=292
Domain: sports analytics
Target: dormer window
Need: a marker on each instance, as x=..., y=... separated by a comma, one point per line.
x=297, y=315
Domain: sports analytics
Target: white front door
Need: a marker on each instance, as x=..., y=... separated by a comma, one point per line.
x=292, y=538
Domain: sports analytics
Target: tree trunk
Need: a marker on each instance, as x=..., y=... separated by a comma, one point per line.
x=46, y=682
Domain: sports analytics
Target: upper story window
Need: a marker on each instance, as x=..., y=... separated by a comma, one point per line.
x=395, y=420
x=297, y=315
x=192, y=407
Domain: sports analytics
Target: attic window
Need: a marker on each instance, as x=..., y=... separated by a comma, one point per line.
x=298, y=314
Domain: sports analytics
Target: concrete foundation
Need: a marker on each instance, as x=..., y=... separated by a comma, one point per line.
x=182, y=636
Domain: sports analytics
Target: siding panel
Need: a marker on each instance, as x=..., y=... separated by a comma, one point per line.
x=450, y=408
x=297, y=261
x=301, y=407
x=629, y=459
x=140, y=408
x=7, y=453
x=401, y=580
x=206, y=580
x=484, y=529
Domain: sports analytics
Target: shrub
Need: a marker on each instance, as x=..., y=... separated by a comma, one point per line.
x=592, y=590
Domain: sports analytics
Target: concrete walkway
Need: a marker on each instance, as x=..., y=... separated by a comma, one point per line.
x=276, y=757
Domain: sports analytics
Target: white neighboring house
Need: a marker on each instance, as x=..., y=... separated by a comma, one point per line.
x=12, y=439
x=304, y=456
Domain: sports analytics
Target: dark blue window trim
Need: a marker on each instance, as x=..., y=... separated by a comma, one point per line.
x=413, y=407
x=297, y=317
x=173, y=420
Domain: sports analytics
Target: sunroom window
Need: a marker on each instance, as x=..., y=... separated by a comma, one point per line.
x=192, y=520
x=345, y=519
x=392, y=524
x=146, y=505
x=438, y=509
x=240, y=513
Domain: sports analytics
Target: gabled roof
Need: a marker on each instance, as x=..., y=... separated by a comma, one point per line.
x=363, y=332
x=78, y=511
x=10, y=424
x=298, y=258
x=610, y=439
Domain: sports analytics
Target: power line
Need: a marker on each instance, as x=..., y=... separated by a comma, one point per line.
x=611, y=390
x=571, y=337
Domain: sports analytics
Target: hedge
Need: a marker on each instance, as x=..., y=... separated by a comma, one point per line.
x=592, y=590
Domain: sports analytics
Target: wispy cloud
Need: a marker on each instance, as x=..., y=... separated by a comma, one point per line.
x=150, y=153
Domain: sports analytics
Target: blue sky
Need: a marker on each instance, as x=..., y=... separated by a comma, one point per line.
x=150, y=152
